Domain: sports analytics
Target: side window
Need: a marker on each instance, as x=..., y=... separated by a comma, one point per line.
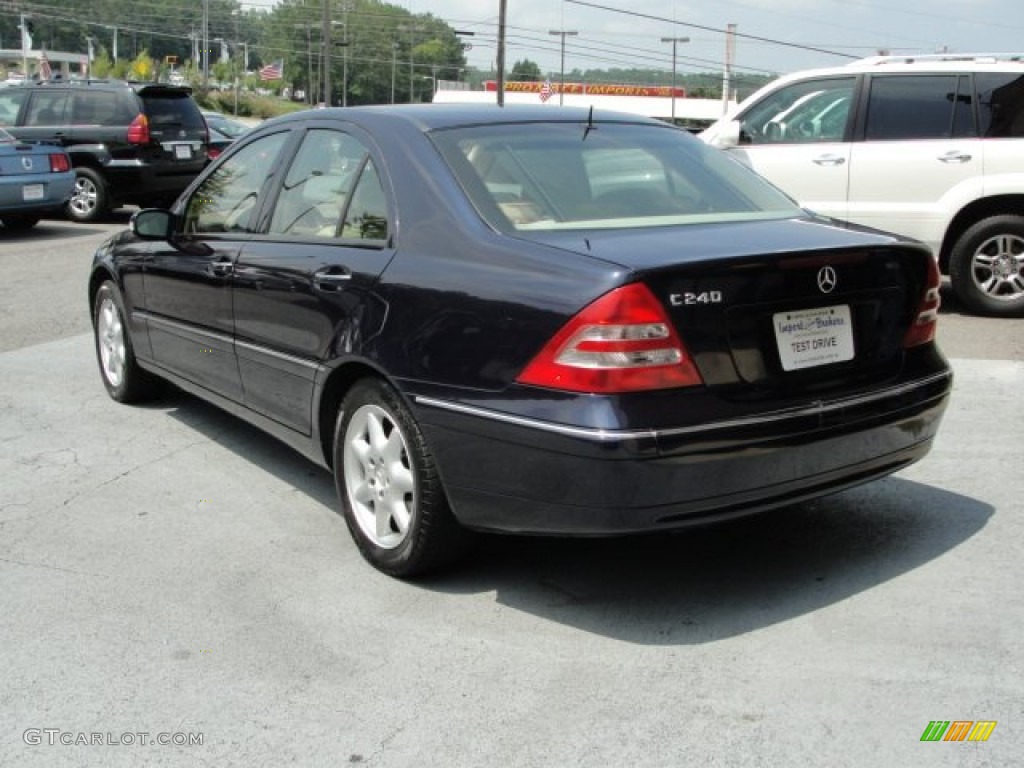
x=47, y=108
x=367, y=214
x=1001, y=105
x=317, y=185
x=10, y=104
x=801, y=113
x=911, y=107
x=226, y=200
x=97, y=108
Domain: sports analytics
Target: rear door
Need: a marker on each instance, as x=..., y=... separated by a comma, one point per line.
x=1001, y=109
x=177, y=128
x=46, y=117
x=304, y=289
x=797, y=138
x=918, y=144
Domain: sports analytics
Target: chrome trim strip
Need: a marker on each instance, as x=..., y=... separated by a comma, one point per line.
x=607, y=435
x=191, y=329
x=143, y=315
x=279, y=355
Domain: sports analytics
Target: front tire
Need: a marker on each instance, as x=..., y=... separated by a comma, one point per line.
x=125, y=381
x=987, y=266
x=391, y=495
x=90, y=199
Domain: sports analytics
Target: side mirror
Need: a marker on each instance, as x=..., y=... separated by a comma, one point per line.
x=729, y=135
x=152, y=224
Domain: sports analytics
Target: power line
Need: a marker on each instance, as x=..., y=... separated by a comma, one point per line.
x=651, y=17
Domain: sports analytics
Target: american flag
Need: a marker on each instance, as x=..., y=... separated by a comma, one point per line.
x=272, y=71
x=45, y=73
x=545, y=90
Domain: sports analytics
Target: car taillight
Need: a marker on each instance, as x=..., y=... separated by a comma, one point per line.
x=59, y=164
x=926, y=317
x=138, y=130
x=622, y=342
x=213, y=152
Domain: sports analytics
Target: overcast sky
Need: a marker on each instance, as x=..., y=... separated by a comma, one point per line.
x=608, y=39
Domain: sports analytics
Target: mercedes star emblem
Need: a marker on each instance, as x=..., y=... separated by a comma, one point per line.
x=827, y=279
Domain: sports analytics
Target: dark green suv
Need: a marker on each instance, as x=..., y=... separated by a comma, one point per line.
x=130, y=143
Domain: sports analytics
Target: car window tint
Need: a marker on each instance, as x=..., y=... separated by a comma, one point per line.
x=47, y=108
x=911, y=107
x=801, y=113
x=367, y=214
x=618, y=176
x=1001, y=104
x=226, y=200
x=10, y=104
x=172, y=111
x=317, y=185
x=100, y=108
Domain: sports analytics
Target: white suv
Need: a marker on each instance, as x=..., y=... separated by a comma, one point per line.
x=931, y=147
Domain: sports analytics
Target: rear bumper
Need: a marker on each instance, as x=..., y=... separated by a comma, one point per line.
x=131, y=181
x=510, y=474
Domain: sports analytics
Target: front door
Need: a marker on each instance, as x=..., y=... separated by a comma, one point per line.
x=189, y=281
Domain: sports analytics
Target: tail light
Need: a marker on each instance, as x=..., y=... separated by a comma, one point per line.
x=922, y=329
x=213, y=152
x=622, y=342
x=138, y=130
x=59, y=163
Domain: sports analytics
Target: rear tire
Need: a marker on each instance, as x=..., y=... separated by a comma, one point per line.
x=391, y=494
x=90, y=200
x=19, y=223
x=987, y=266
x=125, y=381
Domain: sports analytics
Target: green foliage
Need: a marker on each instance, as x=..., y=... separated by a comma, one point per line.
x=526, y=71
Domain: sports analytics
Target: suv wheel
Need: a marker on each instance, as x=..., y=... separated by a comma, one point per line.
x=987, y=266
x=90, y=200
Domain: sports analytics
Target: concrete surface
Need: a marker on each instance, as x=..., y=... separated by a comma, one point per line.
x=170, y=570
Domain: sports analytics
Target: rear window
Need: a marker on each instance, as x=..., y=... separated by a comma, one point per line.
x=565, y=176
x=167, y=110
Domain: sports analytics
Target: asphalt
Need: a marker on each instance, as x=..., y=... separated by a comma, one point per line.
x=168, y=569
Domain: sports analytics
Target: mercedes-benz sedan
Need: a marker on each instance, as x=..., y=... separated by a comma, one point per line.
x=530, y=320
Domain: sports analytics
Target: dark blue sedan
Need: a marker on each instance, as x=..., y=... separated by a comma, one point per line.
x=528, y=320
x=35, y=180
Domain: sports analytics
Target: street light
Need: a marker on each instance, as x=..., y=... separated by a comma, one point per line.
x=674, y=40
x=563, y=33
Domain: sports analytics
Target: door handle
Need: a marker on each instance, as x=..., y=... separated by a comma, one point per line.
x=331, y=278
x=955, y=156
x=221, y=267
x=829, y=160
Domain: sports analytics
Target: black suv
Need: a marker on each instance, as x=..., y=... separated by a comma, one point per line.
x=138, y=143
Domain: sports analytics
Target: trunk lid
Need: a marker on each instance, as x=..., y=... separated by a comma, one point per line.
x=776, y=308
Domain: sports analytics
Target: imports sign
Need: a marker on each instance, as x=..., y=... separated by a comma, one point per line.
x=594, y=89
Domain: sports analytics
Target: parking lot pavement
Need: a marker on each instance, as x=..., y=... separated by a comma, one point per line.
x=169, y=570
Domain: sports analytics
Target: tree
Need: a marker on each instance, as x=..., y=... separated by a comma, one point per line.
x=526, y=71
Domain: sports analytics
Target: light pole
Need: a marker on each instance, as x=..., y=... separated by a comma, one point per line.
x=563, y=33
x=394, y=63
x=412, y=29
x=674, y=41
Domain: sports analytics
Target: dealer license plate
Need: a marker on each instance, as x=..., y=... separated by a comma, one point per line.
x=33, y=192
x=812, y=337
x=183, y=151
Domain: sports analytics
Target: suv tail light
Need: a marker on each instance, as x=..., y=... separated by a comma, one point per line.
x=622, y=342
x=138, y=130
x=59, y=163
x=922, y=329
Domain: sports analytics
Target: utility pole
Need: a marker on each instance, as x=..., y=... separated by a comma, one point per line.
x=206, y=43
x=674, y=40
x=412, y=29
x=327, y=52
x=730, y=54
x=563, y=33
x=502, y=8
